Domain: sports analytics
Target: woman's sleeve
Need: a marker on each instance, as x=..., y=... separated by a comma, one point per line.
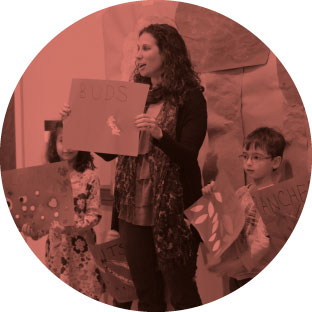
x=106, y=157
x=193, y=131
x=92, y=216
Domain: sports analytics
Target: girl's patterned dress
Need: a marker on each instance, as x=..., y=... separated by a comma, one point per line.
x=68, y=255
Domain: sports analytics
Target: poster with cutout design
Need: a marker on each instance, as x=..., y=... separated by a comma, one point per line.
x=39, y=195
x=218, y=219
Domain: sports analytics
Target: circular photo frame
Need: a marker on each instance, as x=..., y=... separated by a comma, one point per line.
x=255, y=117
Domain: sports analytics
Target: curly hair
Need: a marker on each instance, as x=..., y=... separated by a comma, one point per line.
x=83, y=160
x=178, y=77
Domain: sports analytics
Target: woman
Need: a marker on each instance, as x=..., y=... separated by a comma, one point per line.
x=153, y=189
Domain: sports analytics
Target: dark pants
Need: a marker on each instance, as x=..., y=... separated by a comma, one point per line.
x=149, y=280
x=234, y=284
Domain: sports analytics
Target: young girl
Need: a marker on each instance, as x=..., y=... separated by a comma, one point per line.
x=67, y=253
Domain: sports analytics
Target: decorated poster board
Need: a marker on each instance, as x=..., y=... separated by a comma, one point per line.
x=218, y=218
x=114, y=269
x=102, y=116
x=38, y=195
x=280, y=207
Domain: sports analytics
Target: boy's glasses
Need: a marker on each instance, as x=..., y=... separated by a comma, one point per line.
x=253, y=157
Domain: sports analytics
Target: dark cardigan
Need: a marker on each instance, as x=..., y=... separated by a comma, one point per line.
x=190, y=133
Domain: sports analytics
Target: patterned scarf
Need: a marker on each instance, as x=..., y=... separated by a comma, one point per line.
x=172, y=237
x=155, y=95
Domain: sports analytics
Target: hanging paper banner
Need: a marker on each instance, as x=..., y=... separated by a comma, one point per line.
x=216, y=42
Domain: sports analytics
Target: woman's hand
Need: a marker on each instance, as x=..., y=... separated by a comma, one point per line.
x=65, y=111
x=28, y=230
x=145, y=122
x=208, y=189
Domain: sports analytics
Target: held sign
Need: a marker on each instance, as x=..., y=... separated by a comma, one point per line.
x=102, y=116
x=111, y=260
x=39, y=195
x=280, y=206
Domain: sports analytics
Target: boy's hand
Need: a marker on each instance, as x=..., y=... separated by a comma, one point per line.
x=228, y=267
x=207, y=190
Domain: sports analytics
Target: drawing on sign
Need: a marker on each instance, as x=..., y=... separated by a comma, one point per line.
x=39, y=195
x=111, y=122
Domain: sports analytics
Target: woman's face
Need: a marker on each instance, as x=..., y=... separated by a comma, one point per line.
x=148, y=59
x=64, y=153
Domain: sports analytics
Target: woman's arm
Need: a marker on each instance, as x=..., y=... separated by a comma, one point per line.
x=192, y=121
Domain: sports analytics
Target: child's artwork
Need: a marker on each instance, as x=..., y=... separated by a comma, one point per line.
x=218, y=219
x=114, y=269
x=102, y=116
x=38, y=195
x=280, y=207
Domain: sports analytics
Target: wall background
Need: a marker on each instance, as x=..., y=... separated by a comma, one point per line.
x=44, y=87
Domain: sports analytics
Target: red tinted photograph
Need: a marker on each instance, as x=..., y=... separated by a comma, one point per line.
x=155, y=156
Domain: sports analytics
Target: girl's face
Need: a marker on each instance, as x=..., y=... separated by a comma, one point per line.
x=148, y=59
x=64, y=153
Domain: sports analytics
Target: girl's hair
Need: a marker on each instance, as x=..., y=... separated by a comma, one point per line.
x=268, y=139
x=83, y=160
x=178, y=76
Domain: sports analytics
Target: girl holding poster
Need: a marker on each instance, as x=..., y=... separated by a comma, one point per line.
x=67, y=253
x=153, y=189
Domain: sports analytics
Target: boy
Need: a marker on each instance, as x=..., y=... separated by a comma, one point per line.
x=262, y=155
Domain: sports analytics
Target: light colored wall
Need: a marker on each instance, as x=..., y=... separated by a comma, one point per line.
x=78, y=52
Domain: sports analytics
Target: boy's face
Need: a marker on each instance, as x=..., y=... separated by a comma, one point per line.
x=259, y=166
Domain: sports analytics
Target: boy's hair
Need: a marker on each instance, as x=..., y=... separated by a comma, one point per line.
x=268, y=139
x=83, y=161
